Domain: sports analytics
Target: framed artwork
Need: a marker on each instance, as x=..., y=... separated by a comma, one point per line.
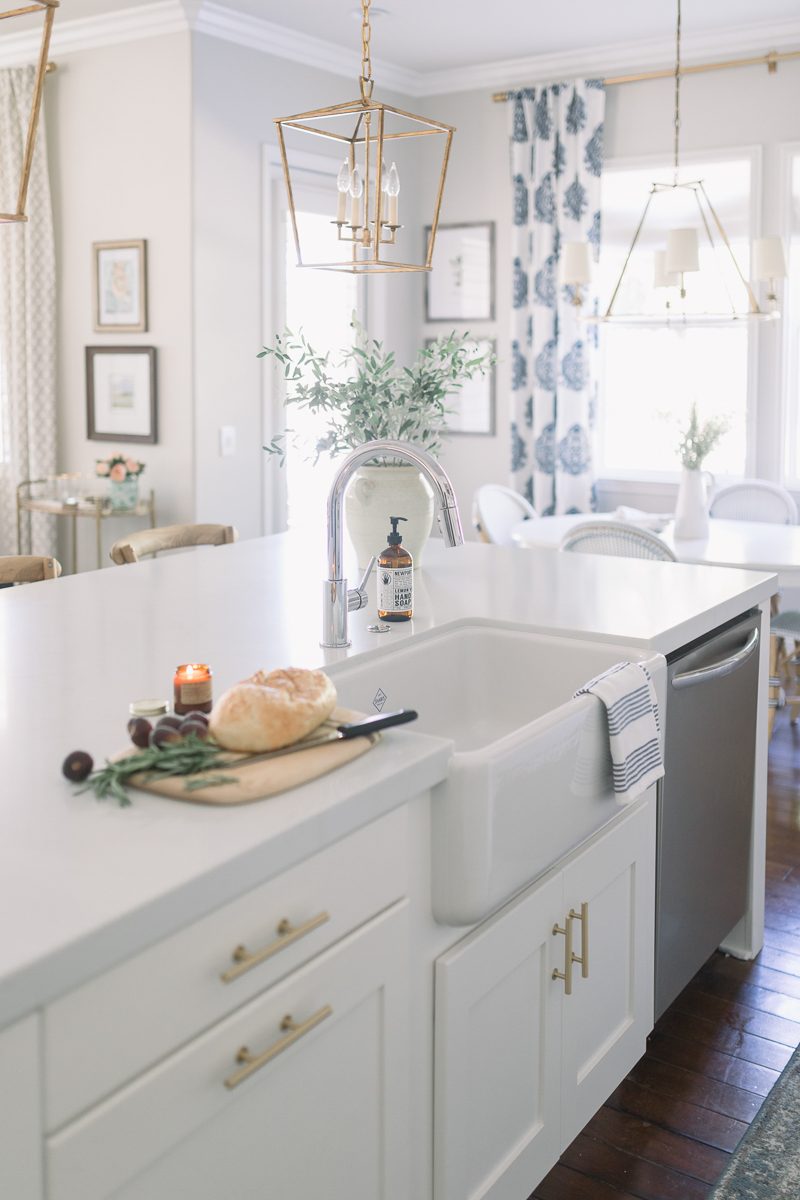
x=120, y=286
x=121, y=394
x=472, y=407
x=460, y=284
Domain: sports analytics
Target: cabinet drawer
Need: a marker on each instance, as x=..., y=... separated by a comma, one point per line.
x=326, y=1115
x=112, y=1028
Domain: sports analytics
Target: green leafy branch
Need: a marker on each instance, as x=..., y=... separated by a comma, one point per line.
x=698, y=439
x=364, y=395
x=189, y=756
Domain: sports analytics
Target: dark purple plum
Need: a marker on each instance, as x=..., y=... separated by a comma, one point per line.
x=77, y=766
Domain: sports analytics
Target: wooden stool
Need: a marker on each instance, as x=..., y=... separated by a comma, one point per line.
x=27, y=568
x=783, y=626
x=169, y=537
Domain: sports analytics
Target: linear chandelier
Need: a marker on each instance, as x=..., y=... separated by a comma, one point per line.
x=48, y=9
x=674, y=301
x=365, y=204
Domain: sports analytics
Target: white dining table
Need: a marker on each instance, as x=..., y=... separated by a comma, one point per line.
x=755, y=545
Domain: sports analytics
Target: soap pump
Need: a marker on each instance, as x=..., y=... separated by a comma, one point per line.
x=395, y=578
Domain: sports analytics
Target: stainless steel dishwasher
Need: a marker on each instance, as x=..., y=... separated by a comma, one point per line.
x=705, y=803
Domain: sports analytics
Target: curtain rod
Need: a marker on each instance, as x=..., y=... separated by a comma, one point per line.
x=770, y=61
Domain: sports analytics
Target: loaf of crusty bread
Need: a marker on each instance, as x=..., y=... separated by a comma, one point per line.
x=271, y=709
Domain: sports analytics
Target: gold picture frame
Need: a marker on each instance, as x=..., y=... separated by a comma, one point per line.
x=119, y=274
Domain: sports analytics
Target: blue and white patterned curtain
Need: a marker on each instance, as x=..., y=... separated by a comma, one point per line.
x=556, y=163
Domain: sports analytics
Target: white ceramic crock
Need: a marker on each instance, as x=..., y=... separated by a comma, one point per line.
x=377, y=493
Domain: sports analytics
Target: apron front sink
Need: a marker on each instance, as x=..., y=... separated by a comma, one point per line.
x=529, y=777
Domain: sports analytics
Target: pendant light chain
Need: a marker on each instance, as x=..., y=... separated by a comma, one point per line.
x=677, y=90
x=368, y=236
x=366, y=81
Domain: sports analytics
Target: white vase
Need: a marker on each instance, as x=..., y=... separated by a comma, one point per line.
x=377, y=493
x=691, y=509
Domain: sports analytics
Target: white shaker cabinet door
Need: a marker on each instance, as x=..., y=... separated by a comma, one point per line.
x=609, y=1014
x=20, y=1111
x=497, y=1053
x=327, y=1117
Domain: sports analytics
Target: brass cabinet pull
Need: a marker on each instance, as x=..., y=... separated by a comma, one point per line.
x=287, y=934
x=583, y=957
x=569, y=957
x=253, y=1062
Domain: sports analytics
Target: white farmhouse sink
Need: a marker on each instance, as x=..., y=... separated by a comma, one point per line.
x=530, y=773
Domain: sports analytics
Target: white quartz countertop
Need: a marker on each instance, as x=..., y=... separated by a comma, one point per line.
x=84, y=884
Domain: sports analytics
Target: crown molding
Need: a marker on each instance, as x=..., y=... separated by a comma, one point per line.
x=201, y=16
x=217, y=20
x=92, y=33
x=256, y=33
x=597, y=61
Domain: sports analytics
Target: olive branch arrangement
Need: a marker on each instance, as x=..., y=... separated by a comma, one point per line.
x=364, y=395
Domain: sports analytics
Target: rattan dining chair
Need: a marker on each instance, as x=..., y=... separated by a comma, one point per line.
x=616, y=538
x=759, y=500
x=27, y=568
x=495, y=512
x=754, y=500
x=145, y=542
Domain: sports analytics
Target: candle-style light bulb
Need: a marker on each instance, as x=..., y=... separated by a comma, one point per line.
x=392, y=191
x=342, y=186
x=356, y=192
x=384, y=179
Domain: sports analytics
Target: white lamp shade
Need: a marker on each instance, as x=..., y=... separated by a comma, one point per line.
x=661, y=277
x=768, y=258
x=682, y=251
x=575, y=264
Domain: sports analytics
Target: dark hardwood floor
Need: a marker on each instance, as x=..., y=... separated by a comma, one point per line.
x=669, y=1128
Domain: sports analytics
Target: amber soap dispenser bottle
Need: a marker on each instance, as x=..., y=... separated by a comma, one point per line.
x=395, y=579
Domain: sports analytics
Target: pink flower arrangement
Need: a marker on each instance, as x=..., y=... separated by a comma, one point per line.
x=118, y=467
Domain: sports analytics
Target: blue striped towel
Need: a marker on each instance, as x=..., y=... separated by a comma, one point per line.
x=629, y=697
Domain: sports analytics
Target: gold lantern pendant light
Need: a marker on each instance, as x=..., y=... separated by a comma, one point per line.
x=366, y=199
x=681, y=258
x=48, y=9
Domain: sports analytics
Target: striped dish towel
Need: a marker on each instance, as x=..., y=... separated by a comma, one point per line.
x=629, y=697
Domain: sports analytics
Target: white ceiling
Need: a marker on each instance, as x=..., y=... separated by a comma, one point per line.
x=435, y=35
x=429, y=35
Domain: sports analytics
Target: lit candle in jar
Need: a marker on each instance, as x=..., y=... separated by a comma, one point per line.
x=192, y=687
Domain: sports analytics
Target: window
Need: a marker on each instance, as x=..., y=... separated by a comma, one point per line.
x=649, y=376
x=321, y=303
x=791, y=319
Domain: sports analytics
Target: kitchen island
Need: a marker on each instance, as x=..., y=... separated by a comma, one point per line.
x=91, y=890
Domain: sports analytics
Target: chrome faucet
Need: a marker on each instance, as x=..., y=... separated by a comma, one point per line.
x=337, y=599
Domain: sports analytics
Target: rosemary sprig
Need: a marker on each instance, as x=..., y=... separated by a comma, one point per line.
x=189, y=756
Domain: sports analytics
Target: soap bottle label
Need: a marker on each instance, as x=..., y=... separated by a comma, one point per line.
x=395, y=589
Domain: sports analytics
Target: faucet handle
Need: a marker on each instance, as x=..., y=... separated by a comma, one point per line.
x=357, y=597
x=362, y=587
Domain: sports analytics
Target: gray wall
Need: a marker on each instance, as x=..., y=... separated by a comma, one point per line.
x=119, y=129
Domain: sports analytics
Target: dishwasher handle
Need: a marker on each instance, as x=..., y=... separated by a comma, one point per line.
x=718, y=670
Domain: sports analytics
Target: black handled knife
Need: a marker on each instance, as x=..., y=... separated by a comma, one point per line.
x=340, y=733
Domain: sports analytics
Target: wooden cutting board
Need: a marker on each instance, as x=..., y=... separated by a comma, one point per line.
x=258, y=780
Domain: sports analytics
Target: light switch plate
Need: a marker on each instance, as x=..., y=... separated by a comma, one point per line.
x=227, y=440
